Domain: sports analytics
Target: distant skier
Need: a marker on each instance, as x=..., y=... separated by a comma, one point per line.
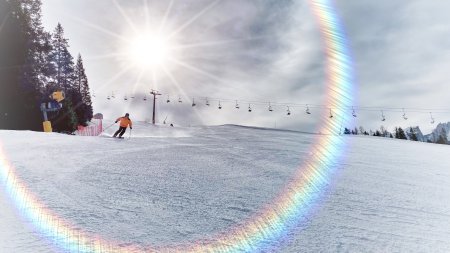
x=124, y=123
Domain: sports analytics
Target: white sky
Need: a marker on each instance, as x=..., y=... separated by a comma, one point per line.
x=263, y=51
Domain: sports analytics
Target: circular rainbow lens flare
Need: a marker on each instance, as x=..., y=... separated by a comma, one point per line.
x=294, y=203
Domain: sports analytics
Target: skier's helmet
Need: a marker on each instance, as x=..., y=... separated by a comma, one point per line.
x=127, y=114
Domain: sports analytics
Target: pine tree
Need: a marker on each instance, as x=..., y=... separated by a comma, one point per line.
x=442, y=139
x=361, y=130
x=66, y=119
x=62, y=60
x=346, y=131
x=84, y=107
x=413, y=135
x=19, y=99
x=401, y=134
x=383, y=131
x=444, y=135
x=38, y=70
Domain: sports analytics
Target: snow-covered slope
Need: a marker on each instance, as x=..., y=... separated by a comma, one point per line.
x=170, y=185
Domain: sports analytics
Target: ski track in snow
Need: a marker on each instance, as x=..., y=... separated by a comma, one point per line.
x=176, y=185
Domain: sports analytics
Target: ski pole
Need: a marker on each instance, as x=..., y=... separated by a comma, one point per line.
x=129, y=137
x=108, y=127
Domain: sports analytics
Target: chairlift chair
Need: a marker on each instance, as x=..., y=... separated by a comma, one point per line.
x=237, y=105
x=207, y=102
x=168, y=99
x=220, y=106
x=288, y=111
x=432, y=119
x=307, y=110
x=353, y=112
x=108, y=97
x=270, y=108
x=331, y=114
x=125, y=98
x=145, y=98
x=383, y=118
x=193, y=102
x=249, y=108
x=179, y=100
x=404, y=115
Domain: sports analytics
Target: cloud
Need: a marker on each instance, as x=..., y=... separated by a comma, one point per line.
x=401, y=55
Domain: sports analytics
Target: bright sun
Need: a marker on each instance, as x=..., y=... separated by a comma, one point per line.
x=149, y=51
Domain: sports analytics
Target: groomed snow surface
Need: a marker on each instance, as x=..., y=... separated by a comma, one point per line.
x=175, y=185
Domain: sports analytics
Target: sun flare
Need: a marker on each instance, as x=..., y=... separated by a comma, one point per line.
x=149, y=51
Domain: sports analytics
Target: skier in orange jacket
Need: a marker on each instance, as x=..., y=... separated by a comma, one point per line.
x=124, y=123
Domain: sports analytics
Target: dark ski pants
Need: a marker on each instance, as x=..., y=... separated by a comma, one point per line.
x=120, y=132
